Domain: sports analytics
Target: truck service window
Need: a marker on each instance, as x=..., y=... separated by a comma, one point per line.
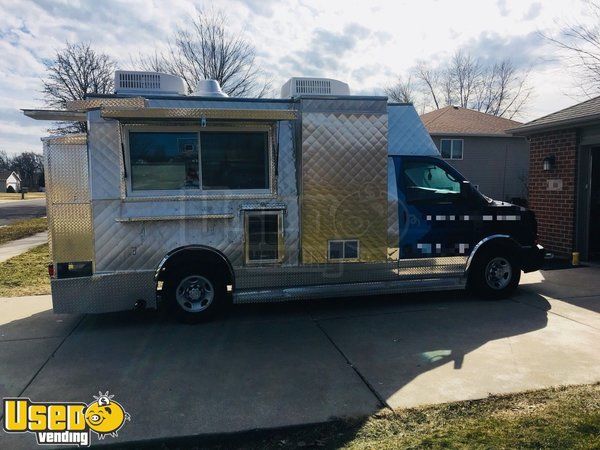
x=163, y=161
x=234, y=160
x=426, y=181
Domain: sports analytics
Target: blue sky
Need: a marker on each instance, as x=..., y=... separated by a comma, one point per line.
x=367, y=44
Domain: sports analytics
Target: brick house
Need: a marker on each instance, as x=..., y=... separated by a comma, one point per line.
x=564, y=178
x=479, y=147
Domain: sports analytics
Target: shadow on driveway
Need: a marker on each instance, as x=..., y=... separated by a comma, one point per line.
x=268, y=366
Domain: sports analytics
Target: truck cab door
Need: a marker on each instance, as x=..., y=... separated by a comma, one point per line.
x=434, y=210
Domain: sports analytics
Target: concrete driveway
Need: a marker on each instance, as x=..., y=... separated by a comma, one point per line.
x=13, y=210
x=267, y=366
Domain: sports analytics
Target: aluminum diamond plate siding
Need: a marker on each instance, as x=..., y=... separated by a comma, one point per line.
x=140, y=245
x=187, y=102
x=103, y=292
x=287, y=190
x=106, y=171
x=344, y=183
x=407, y=134
x=128, y=102
x=68, y=199
x=351, y=105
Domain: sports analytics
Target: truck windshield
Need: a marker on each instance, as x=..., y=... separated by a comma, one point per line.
x=425, y=180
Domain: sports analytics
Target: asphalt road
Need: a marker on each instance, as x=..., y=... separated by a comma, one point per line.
x=13, y=210
x=265, y=366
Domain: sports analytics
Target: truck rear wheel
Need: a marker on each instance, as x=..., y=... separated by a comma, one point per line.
x=195, y=294
x=495, y=274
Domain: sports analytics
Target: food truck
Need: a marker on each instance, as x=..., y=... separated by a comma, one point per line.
x=192, y=202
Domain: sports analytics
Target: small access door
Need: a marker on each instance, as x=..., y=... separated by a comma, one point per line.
x=263, y=236
x=435, y=217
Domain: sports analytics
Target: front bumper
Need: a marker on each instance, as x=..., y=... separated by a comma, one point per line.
x=532, y=258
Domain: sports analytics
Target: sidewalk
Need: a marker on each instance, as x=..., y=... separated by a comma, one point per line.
x=15, y=248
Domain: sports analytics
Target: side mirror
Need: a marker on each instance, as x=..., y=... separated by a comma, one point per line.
x=466, y=190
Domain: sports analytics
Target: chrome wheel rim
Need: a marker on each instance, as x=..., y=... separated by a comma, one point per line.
x=498, y=273
x=194, y=293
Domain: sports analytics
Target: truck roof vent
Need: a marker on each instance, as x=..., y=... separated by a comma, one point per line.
x=313, y=86
x=154, y=83
x=209, y=88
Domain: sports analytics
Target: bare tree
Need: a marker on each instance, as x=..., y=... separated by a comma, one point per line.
x=208, y=49
x=462, y=78
x=4, y=160
x=430, y=79
x=581, y=43
x=30, y=168
x=502, y=91
x=403, y=91
x=75, y=71
x=499, y=89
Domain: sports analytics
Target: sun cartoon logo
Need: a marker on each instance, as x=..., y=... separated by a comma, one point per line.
x=105, y=416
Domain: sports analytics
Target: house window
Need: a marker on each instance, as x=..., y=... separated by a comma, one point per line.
x=263, y=236
x=452, y=148
x=234, y=160
x=345, y=249
x=163, y=161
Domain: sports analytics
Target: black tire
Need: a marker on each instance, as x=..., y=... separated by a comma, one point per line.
x=195, y=293
x=495, y=273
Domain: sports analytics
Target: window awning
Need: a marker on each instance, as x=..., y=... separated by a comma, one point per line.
x=56, y=115
x=139, y=112
x=198, y=114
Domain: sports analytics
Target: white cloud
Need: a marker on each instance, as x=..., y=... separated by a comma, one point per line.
x=365, y=44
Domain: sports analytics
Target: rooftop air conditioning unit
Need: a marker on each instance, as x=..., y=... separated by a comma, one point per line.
x=313, y=86
x=149, y=83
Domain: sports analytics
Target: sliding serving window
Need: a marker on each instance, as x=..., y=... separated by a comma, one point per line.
x=234, y=160
x=163, y=161
x=204, y=161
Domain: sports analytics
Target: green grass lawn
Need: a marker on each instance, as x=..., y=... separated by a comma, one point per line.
x=26, y=274
x=17, y=195
x=560, y=418
x=22, y=229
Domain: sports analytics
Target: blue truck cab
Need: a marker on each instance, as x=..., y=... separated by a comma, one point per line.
x=441, y=215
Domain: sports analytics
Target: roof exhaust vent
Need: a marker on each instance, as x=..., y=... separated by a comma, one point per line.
x=209, y=88
x=313, y=86
x=149, y=83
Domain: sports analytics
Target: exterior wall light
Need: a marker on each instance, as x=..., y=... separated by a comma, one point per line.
x=549, y=162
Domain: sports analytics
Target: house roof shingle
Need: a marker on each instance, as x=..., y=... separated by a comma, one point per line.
x=576, y=114
x=454, y=120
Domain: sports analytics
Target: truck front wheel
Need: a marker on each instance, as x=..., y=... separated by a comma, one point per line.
x=496, y=273
x=195, y=294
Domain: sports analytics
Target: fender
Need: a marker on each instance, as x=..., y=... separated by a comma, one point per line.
x=485, y=241
x=194, y=247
